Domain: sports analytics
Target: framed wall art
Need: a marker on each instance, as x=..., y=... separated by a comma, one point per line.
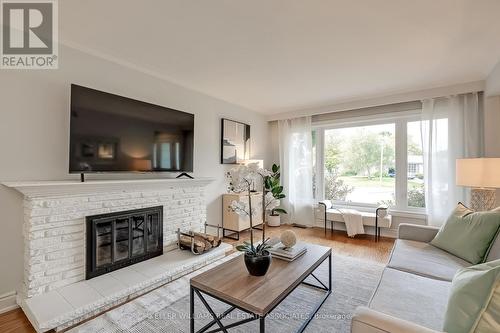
x=235, y=141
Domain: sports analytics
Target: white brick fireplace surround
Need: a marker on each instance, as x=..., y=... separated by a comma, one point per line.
x=54, y=236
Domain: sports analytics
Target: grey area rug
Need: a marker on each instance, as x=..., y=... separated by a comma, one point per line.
x=166, y=309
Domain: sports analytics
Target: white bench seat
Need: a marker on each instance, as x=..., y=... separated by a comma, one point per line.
x=368, y=218
x=331, y=214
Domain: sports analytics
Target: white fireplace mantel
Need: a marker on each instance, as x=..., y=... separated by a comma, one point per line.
x=35, y=189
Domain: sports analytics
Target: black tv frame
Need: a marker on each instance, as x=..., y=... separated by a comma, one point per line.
x=183, y=173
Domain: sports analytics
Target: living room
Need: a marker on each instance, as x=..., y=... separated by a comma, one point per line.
x=280, y=166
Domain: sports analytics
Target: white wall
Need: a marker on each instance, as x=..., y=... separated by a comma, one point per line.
x=34, y=115
x=384, y=100
x=493, y=82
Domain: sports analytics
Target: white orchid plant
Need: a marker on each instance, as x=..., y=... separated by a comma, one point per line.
x=240, y=180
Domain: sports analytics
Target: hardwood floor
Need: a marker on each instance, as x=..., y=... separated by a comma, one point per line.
x=362, y=246
x=15, y=322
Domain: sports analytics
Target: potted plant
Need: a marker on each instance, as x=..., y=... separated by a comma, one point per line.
x=275, y=192
x=257, y=258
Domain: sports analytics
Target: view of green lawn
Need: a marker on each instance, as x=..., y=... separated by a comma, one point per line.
x=363, y=181
x=354, y=158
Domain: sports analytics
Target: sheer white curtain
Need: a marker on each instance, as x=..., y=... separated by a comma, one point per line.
x=295, y=146
x=452, y=127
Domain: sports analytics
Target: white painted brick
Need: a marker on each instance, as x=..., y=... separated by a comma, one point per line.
x=78, y=272
x=54, y=229
x=31, y=221
x=33, y=260
x=35, y=275
x=63, y=254
x=41, y=281
x=44, y=242
x=64, y=268
x=63, y=283
x=30, y=291
x=65, y=217
x=44, y=211
x=30, y=204
x=71, y=201
x=64, y=230
x=151, y=194
x=34, y=234
x=52, y=265
x=72, y=237
x=61, y=224
x=34, y=251
x=115, y=196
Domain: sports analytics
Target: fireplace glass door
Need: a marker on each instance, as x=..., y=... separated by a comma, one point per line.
x=138, y=243
x=121, y=239
x=103, y=234
x=153, y=232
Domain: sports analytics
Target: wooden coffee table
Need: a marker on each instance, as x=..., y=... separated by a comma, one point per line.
x=230, y=283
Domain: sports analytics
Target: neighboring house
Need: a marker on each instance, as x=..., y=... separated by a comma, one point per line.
x=415, y=165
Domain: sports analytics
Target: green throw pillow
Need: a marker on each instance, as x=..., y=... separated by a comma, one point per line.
x=474, y=302
x=468, y=234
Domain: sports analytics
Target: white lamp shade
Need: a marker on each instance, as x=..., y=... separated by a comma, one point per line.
x=259, y=162
x=478, y=172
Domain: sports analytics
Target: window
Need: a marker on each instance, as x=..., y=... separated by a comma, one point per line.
x=415, y=175
x=360, y=164
x=357, y=162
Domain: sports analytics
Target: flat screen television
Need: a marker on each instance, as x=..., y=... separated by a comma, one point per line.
x=110, y=133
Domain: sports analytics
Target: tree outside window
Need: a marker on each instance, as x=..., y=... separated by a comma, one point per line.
x=358, y=164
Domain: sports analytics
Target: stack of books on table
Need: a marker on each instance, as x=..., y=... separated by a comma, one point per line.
x=288, y=253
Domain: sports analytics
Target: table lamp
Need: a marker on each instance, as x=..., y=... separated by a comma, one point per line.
x=483, y=176
x=260, y=163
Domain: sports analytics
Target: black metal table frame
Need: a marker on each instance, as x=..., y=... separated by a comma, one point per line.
x=262, y=323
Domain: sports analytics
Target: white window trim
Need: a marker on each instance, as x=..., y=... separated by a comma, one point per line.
x=400, y=119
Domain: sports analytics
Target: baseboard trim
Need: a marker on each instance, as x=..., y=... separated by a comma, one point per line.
x=8, y=302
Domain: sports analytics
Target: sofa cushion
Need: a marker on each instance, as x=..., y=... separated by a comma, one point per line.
x=468, y=234
x=494, y=250
x=424, y=259
x=411, y=297
x=474, y=303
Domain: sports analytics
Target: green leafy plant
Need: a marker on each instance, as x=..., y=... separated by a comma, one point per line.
x=416, y=197
x=335, y=187
x=272, y=185
x=259, y=250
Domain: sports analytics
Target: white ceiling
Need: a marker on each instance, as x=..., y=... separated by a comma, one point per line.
x=274, y=56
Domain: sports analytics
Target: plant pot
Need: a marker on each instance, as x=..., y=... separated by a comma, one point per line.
x=258, y=265
x=273, y=220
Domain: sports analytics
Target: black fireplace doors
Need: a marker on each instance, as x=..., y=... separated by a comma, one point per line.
x=121, y=239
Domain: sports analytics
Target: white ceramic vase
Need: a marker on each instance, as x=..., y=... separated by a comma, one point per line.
x=273, y=221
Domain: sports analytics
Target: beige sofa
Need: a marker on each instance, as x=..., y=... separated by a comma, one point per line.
x=412, y=293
